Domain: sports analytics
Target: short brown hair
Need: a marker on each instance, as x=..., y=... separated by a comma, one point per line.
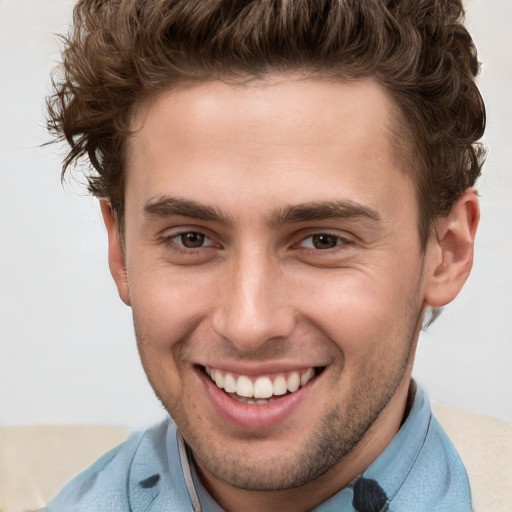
x=119, y=52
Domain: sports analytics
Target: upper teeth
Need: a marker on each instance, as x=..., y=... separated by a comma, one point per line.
x=262, y=387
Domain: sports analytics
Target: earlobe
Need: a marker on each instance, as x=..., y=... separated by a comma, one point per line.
x=116, y=256
x=452, y=252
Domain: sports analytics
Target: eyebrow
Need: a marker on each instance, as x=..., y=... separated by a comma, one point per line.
x=323, y=210
x=174, y=206
x=167, y=206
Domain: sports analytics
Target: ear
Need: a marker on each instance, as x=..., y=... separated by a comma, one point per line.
x=116, y=256
x=452, y=251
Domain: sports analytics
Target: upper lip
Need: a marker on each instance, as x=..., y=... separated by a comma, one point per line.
x=260, y=369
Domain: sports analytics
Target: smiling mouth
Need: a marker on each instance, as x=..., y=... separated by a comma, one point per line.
x=261, y=390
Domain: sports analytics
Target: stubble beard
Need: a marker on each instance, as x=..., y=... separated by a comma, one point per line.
x=339, y=432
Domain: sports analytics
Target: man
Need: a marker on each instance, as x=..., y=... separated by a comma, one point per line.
x=287, y=190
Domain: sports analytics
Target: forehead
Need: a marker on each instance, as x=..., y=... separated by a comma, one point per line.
x=311, y=110
x=216, y=140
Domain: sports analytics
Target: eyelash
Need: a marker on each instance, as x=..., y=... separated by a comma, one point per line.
x=339, y=241
x=173, y=241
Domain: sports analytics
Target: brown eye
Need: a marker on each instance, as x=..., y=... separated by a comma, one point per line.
x=324, y=241
x=192, y=239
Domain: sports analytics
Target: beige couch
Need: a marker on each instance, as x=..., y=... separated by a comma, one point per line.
x=36, y=461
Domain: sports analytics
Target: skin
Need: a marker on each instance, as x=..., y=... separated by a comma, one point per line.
x=247, y=168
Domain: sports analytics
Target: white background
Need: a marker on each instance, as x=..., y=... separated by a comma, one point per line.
x=67, y=352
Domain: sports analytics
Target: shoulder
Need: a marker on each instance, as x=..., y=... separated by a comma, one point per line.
x=485, y=447
x=465, y=463
x=104, y=486
x=433, y=477
x=437, y=480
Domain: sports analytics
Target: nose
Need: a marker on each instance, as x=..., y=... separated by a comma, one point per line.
x=254, y=306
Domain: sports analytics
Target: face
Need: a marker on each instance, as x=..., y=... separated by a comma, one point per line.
x=275, y=274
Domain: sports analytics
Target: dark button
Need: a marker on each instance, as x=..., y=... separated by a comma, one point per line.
x=369, y=496
x=150, y=482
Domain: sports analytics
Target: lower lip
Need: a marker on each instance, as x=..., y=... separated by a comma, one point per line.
x=242, y=415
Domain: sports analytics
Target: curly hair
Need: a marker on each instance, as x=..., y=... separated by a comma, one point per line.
x=120, y=52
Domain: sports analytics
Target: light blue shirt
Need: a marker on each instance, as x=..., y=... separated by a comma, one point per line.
x=419, y=471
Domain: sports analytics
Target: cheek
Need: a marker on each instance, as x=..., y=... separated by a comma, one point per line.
x=365, y=313
x=165, y=315
x=167, y=305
